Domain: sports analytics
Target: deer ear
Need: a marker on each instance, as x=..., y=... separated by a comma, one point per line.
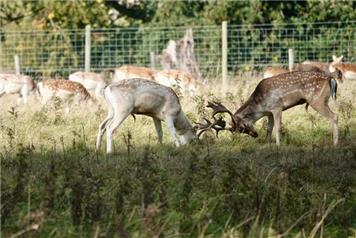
x=340, y=58
x=334, y=57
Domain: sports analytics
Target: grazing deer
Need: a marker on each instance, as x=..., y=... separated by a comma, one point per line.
x=348, y=70
x=140, y=96
x=276, y=94
x=273, y=71
x=91, y=81
x=131, y=71
x=63, y=89
x=22, y=85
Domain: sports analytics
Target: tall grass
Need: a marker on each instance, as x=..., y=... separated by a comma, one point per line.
x=55, y=185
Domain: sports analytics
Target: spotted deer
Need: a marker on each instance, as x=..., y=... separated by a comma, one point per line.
x=273, y=71
x=22, y=85
x=348, y=70
x=66, y=90
x=276, y=94
x=324, y=67
x=184, y=81
x=90, y=80
x=145, y=97
x=131, y=71
x=177, y=78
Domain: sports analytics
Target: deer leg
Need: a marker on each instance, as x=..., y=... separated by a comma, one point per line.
x=101, y=131
x=172, y=130
x=324, y=110
x=277, y=118
x=24, y=94
x=270, y=125
x=158, y=126
x=111, y=126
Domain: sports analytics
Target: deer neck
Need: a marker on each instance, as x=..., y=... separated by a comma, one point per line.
x=249, y=112
x=182, y=124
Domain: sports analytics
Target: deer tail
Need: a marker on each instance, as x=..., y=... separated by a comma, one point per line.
x=333, y=87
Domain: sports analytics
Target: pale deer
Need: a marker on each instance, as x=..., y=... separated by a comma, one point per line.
x=273, y=71
x=131, y=71
x=90, y=80
x=177, y=78
x=322, y=66
x=276, y=94
x=145, y=97
x=184, y=81
x=66, y=90
x=22, y=85
x=348, y=70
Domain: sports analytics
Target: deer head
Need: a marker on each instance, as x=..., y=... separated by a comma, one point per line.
x=219, y=124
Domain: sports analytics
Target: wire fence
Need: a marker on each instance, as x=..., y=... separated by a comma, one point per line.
x=249, y=47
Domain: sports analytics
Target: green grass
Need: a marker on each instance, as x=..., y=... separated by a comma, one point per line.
x=53, y=184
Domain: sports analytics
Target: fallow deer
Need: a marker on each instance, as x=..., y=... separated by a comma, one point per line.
x=90, y=80
x=348, y=70
x=22, y=85
x=276, y=94
x=313, y=66
x=63, y=89
x=131, y=71
x=273, y=71
x=170, y=78
x=140, y=96
x=177, y=78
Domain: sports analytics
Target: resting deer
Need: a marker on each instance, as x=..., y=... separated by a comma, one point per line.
x=276, y=94
x=273, y=71
x=170, y=78
x=324, y=67
x=63, y=89
x=131, y=71
x=140, y=96
x=90, y=80
x=22, y=85
x=305, y=66
x=177, y=78
x=348, y=70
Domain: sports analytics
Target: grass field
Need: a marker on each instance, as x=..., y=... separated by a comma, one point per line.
x=53, y=184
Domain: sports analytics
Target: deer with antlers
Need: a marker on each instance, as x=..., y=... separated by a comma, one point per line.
x=22, y=85
x=276, y=94
x=145, y=97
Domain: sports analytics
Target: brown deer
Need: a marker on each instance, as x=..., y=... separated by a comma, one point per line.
x=276, y=94
x=184, y=81
x=90, y=80
x=348, y=70
x=324, y=67
x=22, y=85
x=63, y=89
x=273, y=71
x=145, y=97
x=131, y=71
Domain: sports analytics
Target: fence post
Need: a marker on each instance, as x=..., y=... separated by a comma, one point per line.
x=152, y=60
x=0, y=56
x=224, y=52
x=290, y=59
x=17, y=64
x=87, y=49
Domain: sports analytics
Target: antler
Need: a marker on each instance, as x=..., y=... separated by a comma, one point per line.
x=218, y=108
x=218, y=125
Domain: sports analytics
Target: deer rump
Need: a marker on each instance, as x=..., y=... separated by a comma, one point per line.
x=276, y=94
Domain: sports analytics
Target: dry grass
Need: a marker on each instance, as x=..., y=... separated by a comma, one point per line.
x=234, y=186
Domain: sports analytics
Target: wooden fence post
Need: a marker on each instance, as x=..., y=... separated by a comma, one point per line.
x=152, y=60
x=224, y=52
x=17, y=64
x=87, y=48
x=290, y=59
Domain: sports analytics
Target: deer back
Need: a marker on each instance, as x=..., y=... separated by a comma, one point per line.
x=131, y=71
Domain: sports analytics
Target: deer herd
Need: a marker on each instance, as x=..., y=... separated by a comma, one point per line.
x=145, y=91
